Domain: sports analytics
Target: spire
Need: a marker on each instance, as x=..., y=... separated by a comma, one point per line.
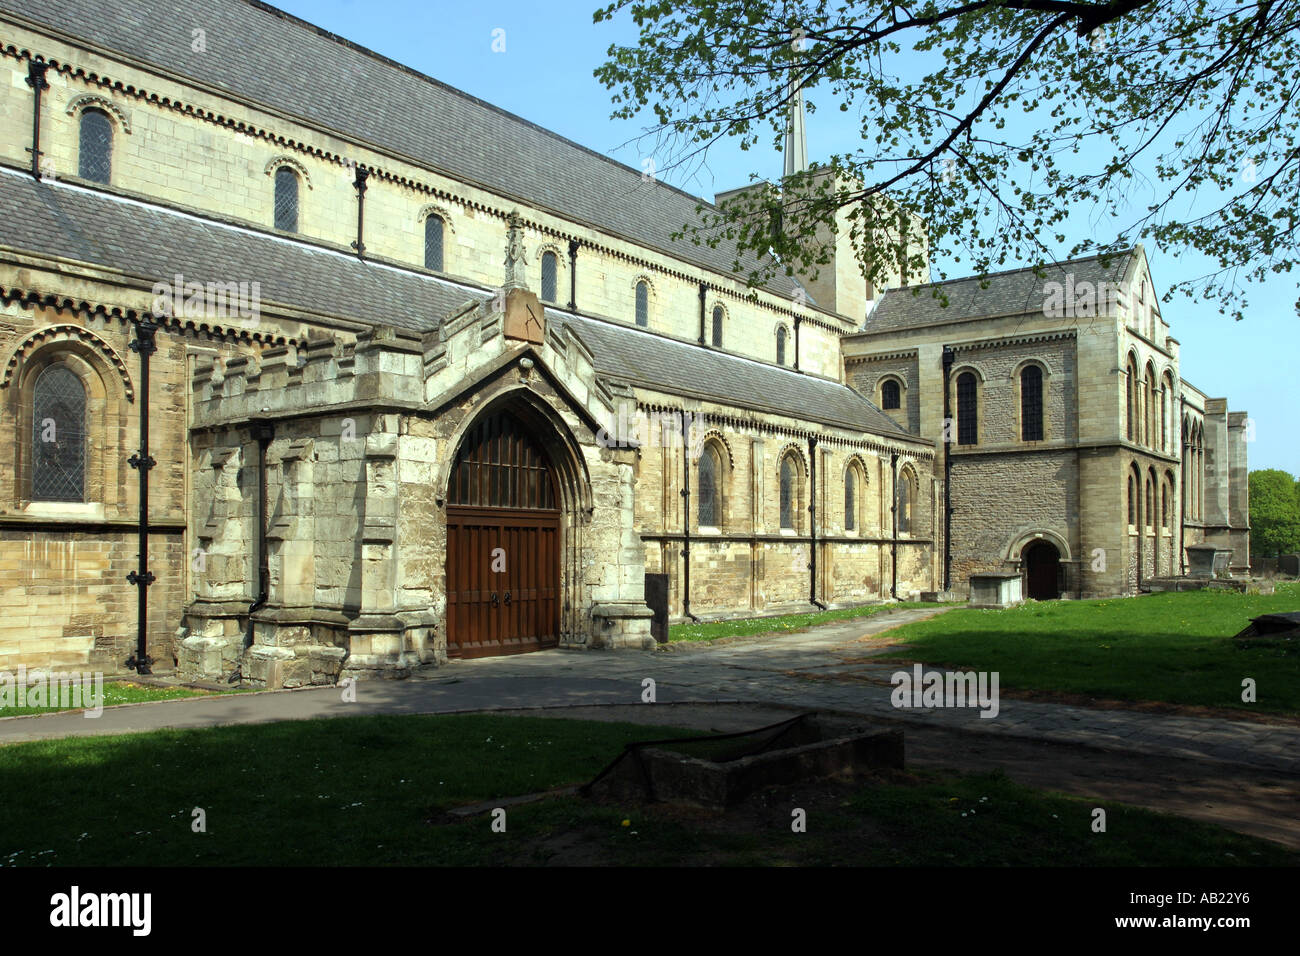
x=796, y=139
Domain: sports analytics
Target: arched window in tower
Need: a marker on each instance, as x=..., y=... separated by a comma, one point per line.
x=58, y=436
x=904, y=505
x=642, y=304
x=787, y=492
x=95, y=153
x=717, y=326
x=434, y=228
x=890, y=394
x=850, y=498
x=1031, y=403
x=780, y=345
x=710, y=490
x=286, y=199
x=548, y=277
x=967, y=415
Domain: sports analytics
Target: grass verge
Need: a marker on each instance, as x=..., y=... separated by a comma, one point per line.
x=1171, y=647
x=712, y=630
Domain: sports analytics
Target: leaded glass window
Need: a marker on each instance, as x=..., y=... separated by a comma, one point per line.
x=780, y=346
x=890, y=394
x=967, y=416
x=286, y=199
x=787, y=493
x=1031, y=403
x=905, y=504
x=59, y=436
x=717, y=326
x=710, y=491
x=433, y=229
x=850, y=499
x=95, y=156
x=548, y=276
x=642, y=304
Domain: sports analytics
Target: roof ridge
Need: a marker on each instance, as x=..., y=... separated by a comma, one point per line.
x=426, y=78
x=1006, y=272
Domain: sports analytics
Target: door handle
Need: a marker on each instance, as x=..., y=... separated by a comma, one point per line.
x=507, y=597
x=495, y=602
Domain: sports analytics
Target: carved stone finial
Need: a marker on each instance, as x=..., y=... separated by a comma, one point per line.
x=516, y=257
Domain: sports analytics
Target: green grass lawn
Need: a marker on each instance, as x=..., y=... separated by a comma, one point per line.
x=372, y=791
x=712, y=630
x=1172, y=647
x=116, y=692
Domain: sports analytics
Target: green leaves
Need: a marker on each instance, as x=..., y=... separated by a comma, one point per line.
x=1042, y=122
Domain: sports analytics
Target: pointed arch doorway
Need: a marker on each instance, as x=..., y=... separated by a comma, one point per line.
x=503, y=542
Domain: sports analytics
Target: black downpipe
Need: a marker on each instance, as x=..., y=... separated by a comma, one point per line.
x=893, y=544
x=573, y=275
x=686, y=506
x=948, y=357
x=797, y=320
x=36, y=80
x=360, y=183
x=812, y=523
x=702, y=293
x=145, y=345
x=264, y=432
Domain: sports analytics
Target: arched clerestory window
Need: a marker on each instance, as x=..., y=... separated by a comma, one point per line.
x=549, y=276
x=890, y=394
x=95, y=147
x=434, y=229
x=642, y=304
x=286, y=199
x=58, y=471
x=780, y=345
x=717, y=326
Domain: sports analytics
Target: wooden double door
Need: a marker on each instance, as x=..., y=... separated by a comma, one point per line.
x=503, y=544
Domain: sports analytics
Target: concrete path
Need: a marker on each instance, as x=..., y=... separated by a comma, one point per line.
x=824, y=668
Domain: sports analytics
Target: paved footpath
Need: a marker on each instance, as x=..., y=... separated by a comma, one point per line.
x=823, y=668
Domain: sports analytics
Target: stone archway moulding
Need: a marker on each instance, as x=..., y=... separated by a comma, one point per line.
x=66, y=332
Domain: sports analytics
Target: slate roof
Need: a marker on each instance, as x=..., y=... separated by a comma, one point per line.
x=155, y=243
x=640, y=358
x=266, y=55
x=1014, y=292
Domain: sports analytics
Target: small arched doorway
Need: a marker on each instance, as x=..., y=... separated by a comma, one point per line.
x=503, y=543
x=1042, y=563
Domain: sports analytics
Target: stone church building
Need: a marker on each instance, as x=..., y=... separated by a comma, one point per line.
x=411, y=378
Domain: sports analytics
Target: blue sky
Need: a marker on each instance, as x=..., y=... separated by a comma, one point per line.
x=545, y=75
